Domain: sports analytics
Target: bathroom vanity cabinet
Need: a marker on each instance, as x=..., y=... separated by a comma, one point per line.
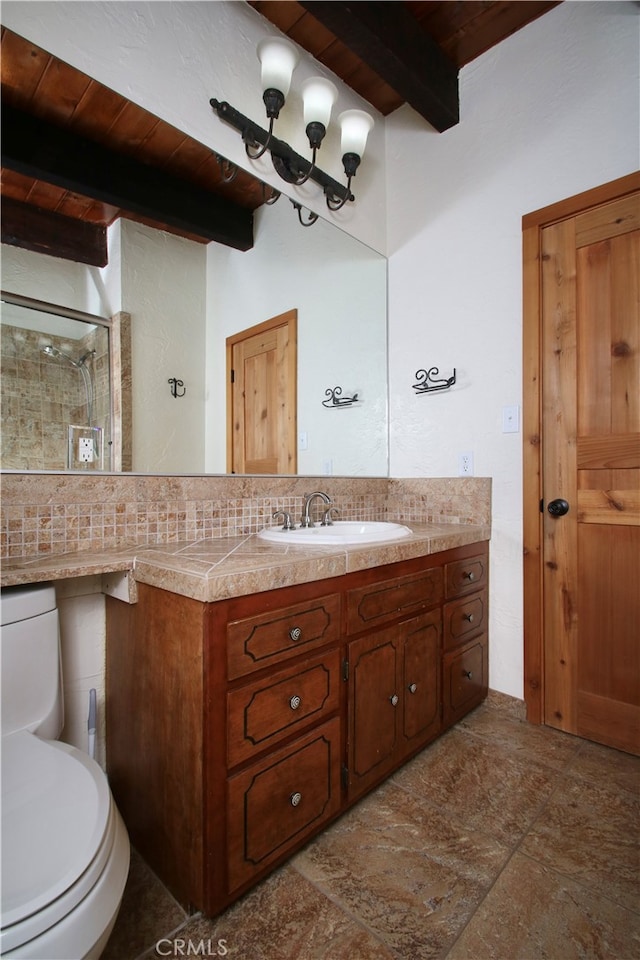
x=238, y=729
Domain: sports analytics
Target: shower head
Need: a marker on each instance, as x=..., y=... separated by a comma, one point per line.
x=56, y=354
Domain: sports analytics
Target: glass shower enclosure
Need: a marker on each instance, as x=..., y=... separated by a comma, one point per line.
x=55, y=388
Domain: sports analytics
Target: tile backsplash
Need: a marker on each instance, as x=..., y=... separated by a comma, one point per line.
x=46, y=513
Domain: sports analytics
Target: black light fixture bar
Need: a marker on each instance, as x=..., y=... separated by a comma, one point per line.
x=288, y=164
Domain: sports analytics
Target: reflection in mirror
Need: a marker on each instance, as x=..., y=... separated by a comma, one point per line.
x=338, y=287
x=55, y=390
x=184, y=300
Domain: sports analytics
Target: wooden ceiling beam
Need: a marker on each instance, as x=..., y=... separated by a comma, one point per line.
x=41, y=150
x=44, y=231
x=386, y=37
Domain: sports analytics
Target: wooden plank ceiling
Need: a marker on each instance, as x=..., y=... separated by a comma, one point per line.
x=76, y=155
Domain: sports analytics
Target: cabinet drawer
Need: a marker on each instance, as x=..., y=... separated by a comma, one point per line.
x=387, y=599
x=463, y=618
x=261, y=714
x=465, y=679
x=278, y=802
x=465, y=576
x=274, y=636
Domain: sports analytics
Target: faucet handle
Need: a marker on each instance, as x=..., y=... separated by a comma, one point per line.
x=288, y=522
x=326, y=516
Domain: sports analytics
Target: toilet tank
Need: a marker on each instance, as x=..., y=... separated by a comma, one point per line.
x=30, y=661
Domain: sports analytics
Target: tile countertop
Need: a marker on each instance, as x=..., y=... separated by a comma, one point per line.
x=216, y=569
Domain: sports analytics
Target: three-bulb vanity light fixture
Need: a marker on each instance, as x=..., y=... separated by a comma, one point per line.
x=278, y=58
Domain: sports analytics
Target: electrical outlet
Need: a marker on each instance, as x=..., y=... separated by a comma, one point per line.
x=85, y=450
x=302, y=440
x=465, y=464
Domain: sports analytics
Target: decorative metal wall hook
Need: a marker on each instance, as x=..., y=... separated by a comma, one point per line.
x=337, y=400
x=175, y=383
x=427, y=382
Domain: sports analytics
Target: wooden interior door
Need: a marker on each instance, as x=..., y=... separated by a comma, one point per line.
x=585, y=678
x=261, y=397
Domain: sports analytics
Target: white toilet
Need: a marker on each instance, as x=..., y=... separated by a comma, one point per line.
x=65, y=849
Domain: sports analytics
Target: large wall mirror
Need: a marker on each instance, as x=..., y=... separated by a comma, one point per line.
x=185, y=299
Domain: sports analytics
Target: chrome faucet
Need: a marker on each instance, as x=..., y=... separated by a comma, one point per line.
x=306, y=520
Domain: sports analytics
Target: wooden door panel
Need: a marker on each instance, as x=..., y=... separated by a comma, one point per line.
x=609, y=661
x=560, y=540
x=261, y=398
x=608, y=337
x=608, y=220
x=619, y=507
x=625, y=339
x=614, y=723
x=262, y=415
x=616, y=450
x=590, y=268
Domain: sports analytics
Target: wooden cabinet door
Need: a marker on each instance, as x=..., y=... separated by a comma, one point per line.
x=277, y=803
x=394, y=696
x=420, y=700
x=591, y=472
x=374, y=694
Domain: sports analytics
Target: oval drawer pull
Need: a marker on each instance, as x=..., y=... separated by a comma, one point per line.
x=468, y=674
x=468, y=617
x=295, y=799
x=469, y=576
x=295, y=702
x=295, y=633
x=413, y=687
x=394, y=700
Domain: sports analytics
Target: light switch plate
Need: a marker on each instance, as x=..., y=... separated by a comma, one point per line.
x=511, y=419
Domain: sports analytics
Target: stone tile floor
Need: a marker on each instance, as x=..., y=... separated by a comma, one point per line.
x=500, y=841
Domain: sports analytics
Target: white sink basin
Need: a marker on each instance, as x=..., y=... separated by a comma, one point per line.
x=340, y=533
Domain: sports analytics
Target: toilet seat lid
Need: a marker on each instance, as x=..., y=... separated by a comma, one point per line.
x=55, y=812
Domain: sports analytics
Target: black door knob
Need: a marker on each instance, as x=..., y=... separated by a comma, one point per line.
x=558, y=508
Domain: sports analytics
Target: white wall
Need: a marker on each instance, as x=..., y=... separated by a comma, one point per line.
x=172, y=58
x=42, y=277
x=163, y=287
x=548, y=113
x=81, y=609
